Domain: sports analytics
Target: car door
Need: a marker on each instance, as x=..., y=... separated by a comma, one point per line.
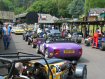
x=41, y=45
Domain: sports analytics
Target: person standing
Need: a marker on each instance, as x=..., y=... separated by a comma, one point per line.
x=6, y=32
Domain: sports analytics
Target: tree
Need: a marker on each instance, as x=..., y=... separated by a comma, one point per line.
x=93, y=4
x=6, y=5
x=61, y=6
x=54, y=7
x=76, y=8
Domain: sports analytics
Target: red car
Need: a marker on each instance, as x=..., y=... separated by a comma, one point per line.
x=36, y=41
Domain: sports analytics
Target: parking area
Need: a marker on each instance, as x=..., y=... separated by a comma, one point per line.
x=93, y=58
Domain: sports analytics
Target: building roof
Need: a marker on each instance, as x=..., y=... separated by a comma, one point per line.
x=6, y=15
x=46, y=18
x=96, y=11
x=43, y=18
x=21, y=15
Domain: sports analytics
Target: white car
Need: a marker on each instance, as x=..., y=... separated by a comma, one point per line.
x=19, y=30
x=13, y=29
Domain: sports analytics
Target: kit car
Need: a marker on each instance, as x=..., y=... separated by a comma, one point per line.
x=37, y=67
x=13, y=29
x=60, y=48
x=101, y=43
x=76, y=37
x=54, y=32
x=19, y=30
x=37, y=41
x=28, y=29
x=31, y=38
x=88, y=41
x=27, y=34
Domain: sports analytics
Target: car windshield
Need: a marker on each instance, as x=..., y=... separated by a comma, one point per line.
x=57, y=40
x=4, y=68
x=54, y=31
x=9, y=68
x=30, y=32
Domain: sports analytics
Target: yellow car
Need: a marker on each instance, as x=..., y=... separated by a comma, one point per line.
x=19, y=30
x=37, y=67
x=28, y=29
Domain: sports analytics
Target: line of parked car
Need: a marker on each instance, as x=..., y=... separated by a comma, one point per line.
x=52, y=65
x=22, y=65
x=54, y=45
x=20, y=29
x=91, y=41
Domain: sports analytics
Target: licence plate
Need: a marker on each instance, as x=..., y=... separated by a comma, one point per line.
x=69, y=51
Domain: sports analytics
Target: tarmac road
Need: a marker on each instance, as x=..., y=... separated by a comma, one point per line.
x=93, y=58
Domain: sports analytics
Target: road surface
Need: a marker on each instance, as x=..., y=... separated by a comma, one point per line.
x=93, y=58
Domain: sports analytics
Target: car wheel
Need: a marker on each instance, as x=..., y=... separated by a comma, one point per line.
x=46, y=53
x=37, y=50
x=84, y=74
x=26, y=39
x=87, y=43
x=102, y=47
x=79, y=40
x=33, y=46
x=81, y=72
x=23, y=38
x=28, y=42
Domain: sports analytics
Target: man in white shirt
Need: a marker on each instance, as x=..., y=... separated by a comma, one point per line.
x=6, y=33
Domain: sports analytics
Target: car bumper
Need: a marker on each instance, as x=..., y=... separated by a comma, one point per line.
x=65, y=56
x=19, y=32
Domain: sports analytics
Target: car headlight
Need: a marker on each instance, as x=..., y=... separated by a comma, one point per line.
x=80, y=35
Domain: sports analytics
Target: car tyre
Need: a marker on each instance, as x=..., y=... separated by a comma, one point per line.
x=46, y=54
x=33, y=46
x=23, y=38
x=26, y=39
x=102, y=47
x=29, y=42
x=87, y=43
x=37, y=50
x=81, y=72
x=79, y=40
x=84, y=73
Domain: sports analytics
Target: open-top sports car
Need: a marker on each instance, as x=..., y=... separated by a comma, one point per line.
x=19, y=30
x=30, y=66
x=99, y=42
x=27, y=34
x=88, y=41
x=76, y=37
x=36, y=41
x=54, y=32
x=60, y=48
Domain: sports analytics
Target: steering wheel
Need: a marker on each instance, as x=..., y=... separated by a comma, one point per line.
x=39, y=72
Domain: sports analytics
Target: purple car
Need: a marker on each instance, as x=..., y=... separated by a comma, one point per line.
x=60, y=48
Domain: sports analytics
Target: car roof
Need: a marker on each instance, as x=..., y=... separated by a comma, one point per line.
x=54, y=31
x=18, y=57
x=51, y=61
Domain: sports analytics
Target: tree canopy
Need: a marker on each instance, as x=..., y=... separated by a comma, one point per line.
x=76, y=8
x=64, y=8
x=93, y=4
x=54, y=7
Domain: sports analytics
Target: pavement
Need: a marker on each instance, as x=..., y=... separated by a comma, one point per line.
x=17, y=44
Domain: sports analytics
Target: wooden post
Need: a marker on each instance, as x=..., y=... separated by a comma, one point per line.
x=81, y=28
x=93, y=29
x=101, y=28
x=88, y=29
